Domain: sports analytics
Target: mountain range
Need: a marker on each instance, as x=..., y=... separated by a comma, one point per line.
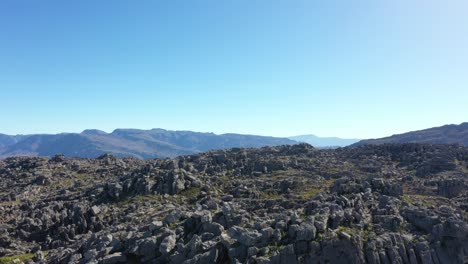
x=448, y=134
x=160, y=143
x=154, y=143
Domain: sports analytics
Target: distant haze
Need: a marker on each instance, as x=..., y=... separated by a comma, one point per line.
x=324, y=141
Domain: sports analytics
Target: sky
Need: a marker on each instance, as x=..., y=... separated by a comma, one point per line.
x=352, y=69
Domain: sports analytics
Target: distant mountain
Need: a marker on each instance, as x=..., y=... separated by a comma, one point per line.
x=155, y=143
x=448, y=134
x=7, y=140
x=324, y=142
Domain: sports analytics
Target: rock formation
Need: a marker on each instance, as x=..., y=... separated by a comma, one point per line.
x=284, y=204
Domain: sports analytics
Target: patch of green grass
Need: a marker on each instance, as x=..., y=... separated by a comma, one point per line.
x=329, y=182
x=124, y=200
x=355, y=231
x=6, y=203
x=22, y=257
x=138, y=199
x=224, y=178
x=309, y=189
x=462, y=165
x=173, y=225
x=343, y=228
x=281, y=174
x=191, y=192
x=66, y=183
x=273, y=248
x=319, y=236
x=365, y=233
x=309, y=193
x=368, y=232
x=464, y=215
x=425, y=200
x=270, y=195
x=83, y=176
x=146, y=198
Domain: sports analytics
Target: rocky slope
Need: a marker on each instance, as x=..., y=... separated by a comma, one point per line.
x=155, y=143
x=286, y=204
x=448, y=134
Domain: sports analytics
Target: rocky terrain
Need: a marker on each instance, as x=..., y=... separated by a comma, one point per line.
x=154, y=143
x=286, y=204
x=448, y=134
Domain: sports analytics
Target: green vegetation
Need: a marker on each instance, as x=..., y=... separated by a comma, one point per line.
x=124, y=200
x=270, y=195
x=146, y=198
x=22, y=257
x=282, y=174
x=319, y=237
x=138, y=199
x=9, y=203
x=66, y=183
x=173, y=225
x=462, y=165
x=274, y=248
x=425, y=200
x=83, y=176
x=368, y=233
x=191, y=192
x=348, y=230
x=329, y=182
x=224, y=179
x=310, y=189
x=309, y=193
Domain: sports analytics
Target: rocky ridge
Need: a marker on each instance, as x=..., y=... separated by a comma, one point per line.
x=448, y=134
x=154, y=143
x=287, y=204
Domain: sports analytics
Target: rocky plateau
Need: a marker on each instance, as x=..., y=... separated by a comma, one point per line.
x=390, y=203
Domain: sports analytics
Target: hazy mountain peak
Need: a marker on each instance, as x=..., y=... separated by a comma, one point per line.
x=93, y=132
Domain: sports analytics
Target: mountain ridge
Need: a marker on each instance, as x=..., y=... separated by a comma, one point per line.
x=446, y=134
x=153, y=143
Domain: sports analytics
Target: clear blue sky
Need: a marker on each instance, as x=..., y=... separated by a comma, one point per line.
x=270, y=67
